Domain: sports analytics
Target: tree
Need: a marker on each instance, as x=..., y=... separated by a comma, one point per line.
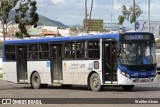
x=128, y=14
x=5, y=7
x=25, y=15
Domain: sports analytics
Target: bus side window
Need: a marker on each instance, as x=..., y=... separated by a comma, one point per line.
x=33, y=51
x=44, y=51
x=10, y=52
x=69, y=52
x=93, y=50
x=81, y=50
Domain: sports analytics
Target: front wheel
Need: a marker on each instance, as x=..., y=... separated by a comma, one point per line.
x=127, y=87
x=95, y=83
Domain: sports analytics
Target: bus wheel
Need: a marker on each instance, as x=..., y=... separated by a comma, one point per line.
x=127, y=87
x=95, y=83
x=35, y=81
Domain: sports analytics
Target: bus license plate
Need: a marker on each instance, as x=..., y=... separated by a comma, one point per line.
x=143, y=80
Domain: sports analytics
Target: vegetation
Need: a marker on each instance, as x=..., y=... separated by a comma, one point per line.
x=157, y=40
x=25, y=14
x=128, y=14
x=0, y=45
x=73, y=29
x=1, y=75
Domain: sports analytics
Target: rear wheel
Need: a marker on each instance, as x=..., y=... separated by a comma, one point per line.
x=35, y=81
x=127, y=87
x=95, y=83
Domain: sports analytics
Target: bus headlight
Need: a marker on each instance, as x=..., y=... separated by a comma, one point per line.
x=125, y=74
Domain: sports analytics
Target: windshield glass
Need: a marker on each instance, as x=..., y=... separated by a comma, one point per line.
x=141, y=53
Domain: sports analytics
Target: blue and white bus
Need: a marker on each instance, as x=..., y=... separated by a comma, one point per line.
x=93, y=60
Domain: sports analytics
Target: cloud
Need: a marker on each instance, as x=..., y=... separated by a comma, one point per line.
x=72, y=12
x=58, y=1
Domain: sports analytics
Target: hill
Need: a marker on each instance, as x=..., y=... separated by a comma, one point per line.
x=49, y=22
x=42, y=20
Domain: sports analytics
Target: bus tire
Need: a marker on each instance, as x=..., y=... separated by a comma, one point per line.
x=127, y=87
x=94, y=82
x=35, y=81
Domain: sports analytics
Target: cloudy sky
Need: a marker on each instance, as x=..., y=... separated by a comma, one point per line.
x=71, y=12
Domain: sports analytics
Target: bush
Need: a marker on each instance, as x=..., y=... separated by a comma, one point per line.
x=157, y=40
x=1, y=75
x=0, y=45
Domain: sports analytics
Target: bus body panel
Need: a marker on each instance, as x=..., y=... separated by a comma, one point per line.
x=77, y=71
x=10, y=71
x=42, y=67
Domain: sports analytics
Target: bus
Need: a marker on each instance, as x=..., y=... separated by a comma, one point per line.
x=93, y=60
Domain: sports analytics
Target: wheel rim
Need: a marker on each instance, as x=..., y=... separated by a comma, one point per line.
x=36, y=80
x=95, y=82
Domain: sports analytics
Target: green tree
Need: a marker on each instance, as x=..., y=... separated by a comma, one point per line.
x=5, y=7
x=73, y=29
x=128, y=14
x=121, y=20
x=26, y=15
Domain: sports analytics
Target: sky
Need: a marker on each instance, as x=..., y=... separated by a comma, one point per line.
x=71, y=12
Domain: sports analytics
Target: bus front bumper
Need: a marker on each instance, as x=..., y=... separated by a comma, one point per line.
x=124, y=80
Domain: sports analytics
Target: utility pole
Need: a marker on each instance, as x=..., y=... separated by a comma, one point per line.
x=148, y=15
x=134, y=23
x=111, y=14
x=85, y=20
x=90, y=16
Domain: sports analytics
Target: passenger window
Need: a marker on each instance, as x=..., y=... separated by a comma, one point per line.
x=10, y=52
x=69, y=51
x=33, y=51
x=81, y=50
x=43, y=51
x=93, y=50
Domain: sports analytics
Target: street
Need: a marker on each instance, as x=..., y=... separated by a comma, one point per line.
x=12, y=90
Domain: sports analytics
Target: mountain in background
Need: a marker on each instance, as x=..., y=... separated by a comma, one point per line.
x=49, y=22
x=42, y=20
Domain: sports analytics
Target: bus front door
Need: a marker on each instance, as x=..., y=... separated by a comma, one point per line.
x=22, y=64
x=109, y=62
x=56, y=63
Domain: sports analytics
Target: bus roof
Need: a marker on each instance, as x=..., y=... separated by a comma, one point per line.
x=58, y=39
x=70, y=38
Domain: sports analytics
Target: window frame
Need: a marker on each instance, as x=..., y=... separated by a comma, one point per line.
x=13, y=52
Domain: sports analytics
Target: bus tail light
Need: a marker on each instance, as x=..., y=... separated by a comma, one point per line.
x=96, y=64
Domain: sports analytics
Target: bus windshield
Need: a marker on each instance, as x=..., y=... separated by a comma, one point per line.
x=138, y=53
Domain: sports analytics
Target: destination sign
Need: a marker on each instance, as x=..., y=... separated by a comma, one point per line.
x=136, y=37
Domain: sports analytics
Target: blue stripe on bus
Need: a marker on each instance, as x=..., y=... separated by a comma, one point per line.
x=137, y=73
x=70, y=38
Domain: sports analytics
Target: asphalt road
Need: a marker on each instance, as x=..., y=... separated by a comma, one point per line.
x=12, y=90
